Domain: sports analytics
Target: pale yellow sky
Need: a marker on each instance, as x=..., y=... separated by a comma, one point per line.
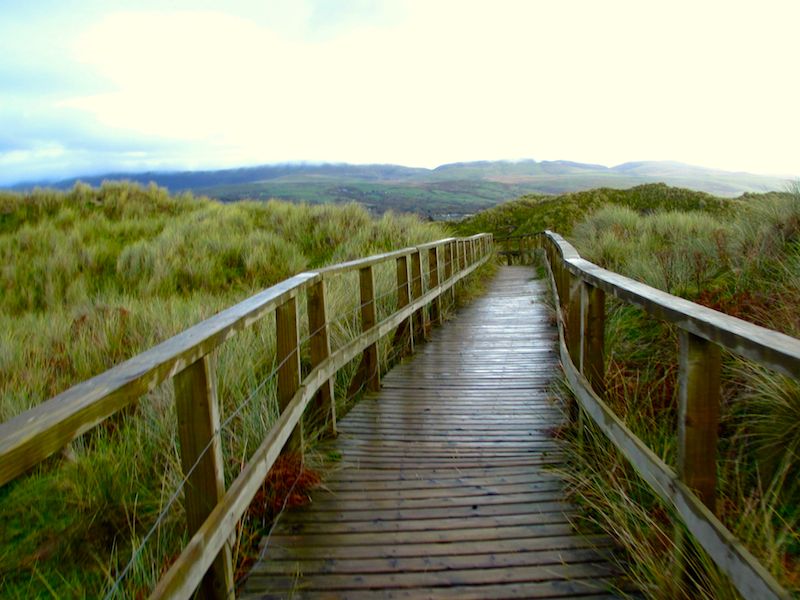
x=424, y=83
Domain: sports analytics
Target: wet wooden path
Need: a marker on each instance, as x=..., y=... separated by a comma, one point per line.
x=445, y=486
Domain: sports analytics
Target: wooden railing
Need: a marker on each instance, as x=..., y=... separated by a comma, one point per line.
x=212, y=511
x=515, y=248
x=581, y=288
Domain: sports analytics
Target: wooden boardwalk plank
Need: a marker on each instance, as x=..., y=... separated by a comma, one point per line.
x=466, y=511
x=429, y=549
x=426, y=563
x=441, y=487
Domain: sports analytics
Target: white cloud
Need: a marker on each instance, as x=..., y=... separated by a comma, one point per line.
x=709, y=83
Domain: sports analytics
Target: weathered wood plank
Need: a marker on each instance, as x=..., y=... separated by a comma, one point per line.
x=448, y=536
x=437, y=549
x=297, y=526
x=467, y=511
x=439, y=474
x=594, y=589
x=565, y=572
x=430, y=564
x=482, y=499
x=450, y=480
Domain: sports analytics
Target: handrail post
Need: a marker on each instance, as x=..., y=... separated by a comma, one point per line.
x=448, y=269
x=369, y=317
x=563, y=282
x=433, y=270
x=416, y=289
x=699, y=399
x=555, y=265
x=201, y=458
x=445, y=261
x=573, y=285
x=324, y=405
x=287, y=356
x=462, y=254
x=593, y=322
x=403, y=337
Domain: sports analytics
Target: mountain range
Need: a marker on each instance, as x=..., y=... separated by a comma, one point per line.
x=448, y=191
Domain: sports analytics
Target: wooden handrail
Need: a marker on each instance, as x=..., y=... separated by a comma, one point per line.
x=524, y=245
x=772, y=349
x=580, y=288
x=32, y=436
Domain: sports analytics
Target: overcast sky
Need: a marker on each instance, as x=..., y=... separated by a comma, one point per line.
x=87, y=87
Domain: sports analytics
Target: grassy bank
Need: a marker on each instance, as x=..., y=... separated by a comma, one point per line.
x=533, y=213
x=93, y=276
x=745, y=263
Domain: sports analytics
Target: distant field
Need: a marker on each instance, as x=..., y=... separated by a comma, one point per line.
x=448, y=192
x=435, y=200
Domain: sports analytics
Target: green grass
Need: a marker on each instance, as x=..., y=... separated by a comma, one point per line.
x=744, y=262
x=92, y=277
x=437, y=200
x=531, y=214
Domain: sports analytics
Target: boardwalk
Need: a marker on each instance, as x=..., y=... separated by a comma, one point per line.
x=443, y=489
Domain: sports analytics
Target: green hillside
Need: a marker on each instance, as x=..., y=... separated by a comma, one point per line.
x=533, y=213
x=436, y=200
